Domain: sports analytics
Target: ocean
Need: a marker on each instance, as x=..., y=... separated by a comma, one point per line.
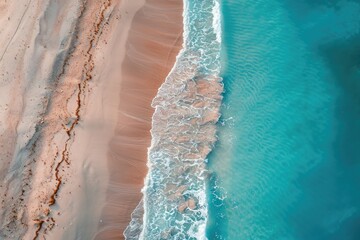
x=283, y=160
x=287, y=161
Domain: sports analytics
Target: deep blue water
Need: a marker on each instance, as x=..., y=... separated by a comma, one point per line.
x=287, y=163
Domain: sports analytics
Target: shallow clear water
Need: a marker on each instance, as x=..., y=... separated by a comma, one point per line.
x=287, y=163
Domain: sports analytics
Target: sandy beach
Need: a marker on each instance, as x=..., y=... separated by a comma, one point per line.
x=76, y=82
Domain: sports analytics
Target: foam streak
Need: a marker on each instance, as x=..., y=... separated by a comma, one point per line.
x=183, y=133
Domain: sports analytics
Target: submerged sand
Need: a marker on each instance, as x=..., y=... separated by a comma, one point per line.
x=76, y=82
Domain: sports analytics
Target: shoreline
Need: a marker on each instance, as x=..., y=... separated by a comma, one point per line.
x=183, y=133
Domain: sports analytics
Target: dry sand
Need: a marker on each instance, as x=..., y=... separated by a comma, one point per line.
x=71, y=109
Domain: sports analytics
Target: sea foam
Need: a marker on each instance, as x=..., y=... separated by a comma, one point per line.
x=183, y=133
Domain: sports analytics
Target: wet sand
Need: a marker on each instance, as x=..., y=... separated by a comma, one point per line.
x=71, y=109
x=155, y=39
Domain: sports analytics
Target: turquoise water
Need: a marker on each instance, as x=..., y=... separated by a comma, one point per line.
x=287, y=163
